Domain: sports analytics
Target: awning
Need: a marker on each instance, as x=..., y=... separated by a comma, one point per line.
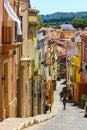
x=13, y=15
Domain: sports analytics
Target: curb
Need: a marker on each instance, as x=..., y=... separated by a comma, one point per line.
x=21, y=123
x=38, y=119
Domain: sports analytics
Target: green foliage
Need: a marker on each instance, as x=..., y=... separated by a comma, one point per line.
x=83, y=100
x=63, y=16
x=40, y=24
x=78, y=20
x=79, y=23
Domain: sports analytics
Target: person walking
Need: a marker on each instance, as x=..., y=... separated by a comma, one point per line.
x=61, y=95
x=64, y=102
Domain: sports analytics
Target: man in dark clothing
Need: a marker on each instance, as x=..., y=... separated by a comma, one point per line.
x=61, y=95
x=64, y=102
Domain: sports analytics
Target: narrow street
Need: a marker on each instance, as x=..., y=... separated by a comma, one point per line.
x=71, y=118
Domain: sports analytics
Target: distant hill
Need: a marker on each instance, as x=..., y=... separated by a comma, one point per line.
x=63, y=16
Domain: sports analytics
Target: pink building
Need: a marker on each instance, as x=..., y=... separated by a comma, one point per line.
x=84, y=59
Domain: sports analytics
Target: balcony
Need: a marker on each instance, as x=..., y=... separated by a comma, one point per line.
x=7, y=49
x=7, y=32
x=9, y=44
x=33, y=19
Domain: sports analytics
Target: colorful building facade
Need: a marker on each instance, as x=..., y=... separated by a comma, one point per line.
x=9, y=57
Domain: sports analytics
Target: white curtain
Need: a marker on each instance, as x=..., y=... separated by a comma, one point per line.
x=13, y=16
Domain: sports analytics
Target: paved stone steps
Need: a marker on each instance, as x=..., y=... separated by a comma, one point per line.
x=20, y=123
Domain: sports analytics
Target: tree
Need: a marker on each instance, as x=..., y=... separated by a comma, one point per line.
x=79, y=23
x=40, y=24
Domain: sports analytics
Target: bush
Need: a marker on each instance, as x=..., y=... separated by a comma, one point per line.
x=83, y=100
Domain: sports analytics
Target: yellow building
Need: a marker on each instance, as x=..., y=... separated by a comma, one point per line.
x=33, y=54
x=28, y=55
x=75, y=78
x=32, y=32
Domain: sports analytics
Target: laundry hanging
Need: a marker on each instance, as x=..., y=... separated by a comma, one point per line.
x=13, y=15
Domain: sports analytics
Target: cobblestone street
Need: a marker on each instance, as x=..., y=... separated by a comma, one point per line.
x=71, y=118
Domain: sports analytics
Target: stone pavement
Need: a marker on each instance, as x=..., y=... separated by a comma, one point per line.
x=20, y=123
x=70, y=119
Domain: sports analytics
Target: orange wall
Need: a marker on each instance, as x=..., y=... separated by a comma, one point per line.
x=79, y=89
x=12, y=87
x=1, y=19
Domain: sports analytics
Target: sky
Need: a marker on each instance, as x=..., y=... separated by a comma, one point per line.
x=51, y=6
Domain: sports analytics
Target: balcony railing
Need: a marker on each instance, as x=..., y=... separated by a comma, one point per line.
x=7, y=32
